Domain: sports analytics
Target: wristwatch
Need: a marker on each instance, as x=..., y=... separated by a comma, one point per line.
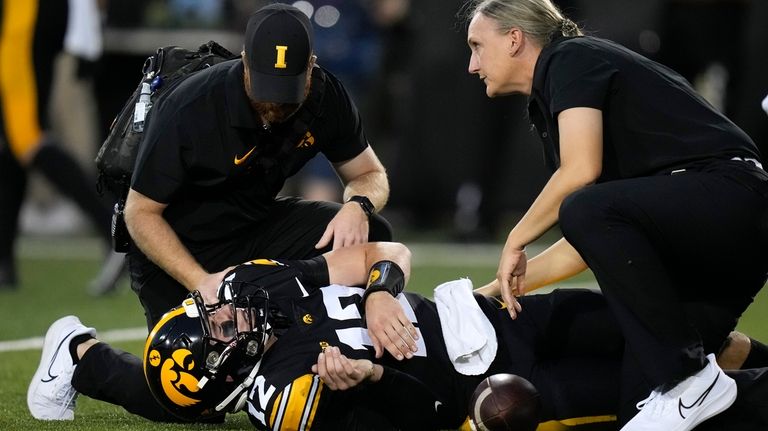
x=365, y=204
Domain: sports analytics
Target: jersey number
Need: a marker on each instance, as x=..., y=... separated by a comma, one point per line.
x=356, y=337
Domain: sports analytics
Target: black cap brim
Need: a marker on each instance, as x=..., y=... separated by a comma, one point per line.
x=278, y=89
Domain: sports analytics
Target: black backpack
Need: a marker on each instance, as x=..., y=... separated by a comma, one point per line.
x=163, y=71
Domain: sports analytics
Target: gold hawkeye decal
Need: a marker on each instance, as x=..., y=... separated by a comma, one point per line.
x=241, y=160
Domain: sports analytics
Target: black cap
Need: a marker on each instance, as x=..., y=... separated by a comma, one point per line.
x=278, y=45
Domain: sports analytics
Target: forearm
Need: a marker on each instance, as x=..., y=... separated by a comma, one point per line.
x=350, y=265
x=543, y=213
x=157, y=240
x=558, y=262
x=374, y=185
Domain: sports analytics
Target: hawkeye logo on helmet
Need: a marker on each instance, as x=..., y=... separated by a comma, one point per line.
x=280, y=61
x=177, y=383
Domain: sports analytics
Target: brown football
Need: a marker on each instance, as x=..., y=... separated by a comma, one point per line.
x=505, y=402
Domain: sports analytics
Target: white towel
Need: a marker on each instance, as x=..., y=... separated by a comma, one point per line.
x=469, y=336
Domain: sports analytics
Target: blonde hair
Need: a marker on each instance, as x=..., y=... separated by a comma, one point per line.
x=539, y=19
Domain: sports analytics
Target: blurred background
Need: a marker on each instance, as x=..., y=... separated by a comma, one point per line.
x=462, y=166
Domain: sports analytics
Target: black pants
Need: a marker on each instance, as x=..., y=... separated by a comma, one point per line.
x=570, y=346
x=654, y=243
x=290, y=231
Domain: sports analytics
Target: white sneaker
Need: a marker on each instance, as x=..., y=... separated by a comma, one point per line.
x=50, y=395
x=692, y=401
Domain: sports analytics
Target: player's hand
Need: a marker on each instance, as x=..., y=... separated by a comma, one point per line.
x=209, y=286
x=389, y=327
x=340, y=373
x=511, y=277
x=348, y=227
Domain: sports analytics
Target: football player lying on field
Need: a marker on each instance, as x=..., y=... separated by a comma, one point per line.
x=276, y=321
x=288, y=342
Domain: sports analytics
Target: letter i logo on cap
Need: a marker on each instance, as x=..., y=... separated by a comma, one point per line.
x=280, y=61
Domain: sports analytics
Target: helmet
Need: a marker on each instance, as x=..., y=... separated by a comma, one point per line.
x=199, y=359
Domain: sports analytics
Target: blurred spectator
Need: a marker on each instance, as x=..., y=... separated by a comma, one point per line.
x=720, y=46
x=753, y=79
x=710, y=60
x=34, y=32
x=346, y=43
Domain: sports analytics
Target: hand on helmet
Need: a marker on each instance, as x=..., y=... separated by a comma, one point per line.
x=209, y=286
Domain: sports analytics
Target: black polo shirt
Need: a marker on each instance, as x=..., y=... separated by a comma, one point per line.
x=206, y=154
x=653, y=120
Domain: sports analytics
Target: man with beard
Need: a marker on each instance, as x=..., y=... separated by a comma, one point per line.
x=217, y=151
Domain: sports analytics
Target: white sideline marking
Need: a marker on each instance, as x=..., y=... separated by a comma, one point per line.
x=129, y=334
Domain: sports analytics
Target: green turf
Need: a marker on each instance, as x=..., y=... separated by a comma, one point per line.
x=55, y=286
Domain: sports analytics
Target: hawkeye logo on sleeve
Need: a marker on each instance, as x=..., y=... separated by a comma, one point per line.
x=179, y=385
x=307, y=141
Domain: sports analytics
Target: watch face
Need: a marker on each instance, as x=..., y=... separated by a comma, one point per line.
x=364, y=202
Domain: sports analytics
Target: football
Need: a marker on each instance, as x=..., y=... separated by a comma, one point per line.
x=505, y=402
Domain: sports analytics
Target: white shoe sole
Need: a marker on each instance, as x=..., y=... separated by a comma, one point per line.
x=54, y=333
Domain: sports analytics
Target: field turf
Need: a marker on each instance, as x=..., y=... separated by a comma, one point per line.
x=54, y=273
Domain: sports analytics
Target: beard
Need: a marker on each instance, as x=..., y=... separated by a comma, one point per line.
x=271, y=112
x=274, y=112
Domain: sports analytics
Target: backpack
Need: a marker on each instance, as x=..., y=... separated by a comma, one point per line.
x=163, y=71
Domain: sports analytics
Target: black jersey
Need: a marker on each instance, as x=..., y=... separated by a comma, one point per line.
x=208, y=156
x=653, y=120
x=286, y=394
x=424, y=392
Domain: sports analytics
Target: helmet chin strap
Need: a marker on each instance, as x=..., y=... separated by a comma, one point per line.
x=239, y=389
x=245, y=384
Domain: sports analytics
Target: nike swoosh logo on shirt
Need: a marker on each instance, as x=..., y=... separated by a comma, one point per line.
x=698, y=401
x=239, y=161
x=53, y=359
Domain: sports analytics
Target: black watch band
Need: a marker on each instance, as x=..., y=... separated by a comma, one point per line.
x=365, y=204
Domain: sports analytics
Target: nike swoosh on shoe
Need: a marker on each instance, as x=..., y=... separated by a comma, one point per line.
x=53, y=359
x=698, y=401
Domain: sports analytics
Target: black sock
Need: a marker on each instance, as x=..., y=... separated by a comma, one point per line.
x=758, y=355
x=78, y=340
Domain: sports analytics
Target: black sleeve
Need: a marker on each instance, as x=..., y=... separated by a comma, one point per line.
x=160, y=170
x=347, y=137
x=578, y=78
x=314, y=272
x=410, y=404
x=279, y=277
